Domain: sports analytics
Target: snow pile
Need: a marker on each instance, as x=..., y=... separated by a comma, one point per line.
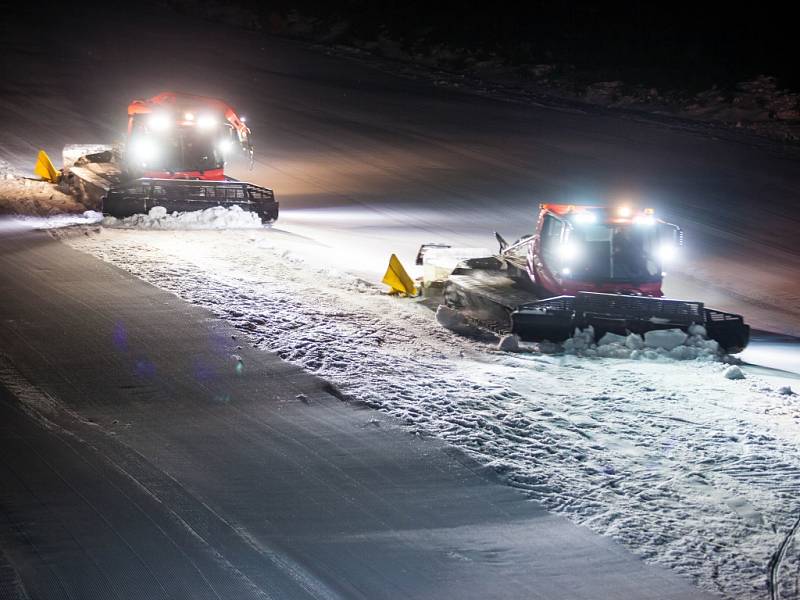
x=659, y=344
x=216, y=217
x=733, y=372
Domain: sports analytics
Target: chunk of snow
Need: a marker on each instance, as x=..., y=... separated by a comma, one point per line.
x=786, y=390
x=615, y=350
x=698, y=330
x=216, y=217
x=665, y=338
x=733, y=372
x=611, y=338
x=509, y=343
x=549, y=347
x=634, y=341
x=580, y=341
x=658, y=345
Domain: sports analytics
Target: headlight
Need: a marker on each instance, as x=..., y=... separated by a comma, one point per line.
x=144, y=150
x=206, y=122
x=225, y=146
x=159, y=121
x=568, y=251
x=667, y=253
x=585, y=218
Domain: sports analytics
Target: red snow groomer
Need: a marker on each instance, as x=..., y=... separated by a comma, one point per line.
x=585, y=265
x=175, y=156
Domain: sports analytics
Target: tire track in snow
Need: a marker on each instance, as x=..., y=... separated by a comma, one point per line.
x=776, y=562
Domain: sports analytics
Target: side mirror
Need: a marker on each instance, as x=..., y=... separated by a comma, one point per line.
x=670, y=234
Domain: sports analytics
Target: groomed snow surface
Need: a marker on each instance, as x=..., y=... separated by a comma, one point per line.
x=684, y=463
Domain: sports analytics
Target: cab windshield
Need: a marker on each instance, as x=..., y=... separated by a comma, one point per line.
x=602, y=251
x=175, y=148
x=187, y=149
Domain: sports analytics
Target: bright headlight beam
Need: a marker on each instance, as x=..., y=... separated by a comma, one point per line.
x=585, y=218
x=144, y=150
x=568, y=251
x=225, y=146
x=667, y=253
x=159, y=121
x=206, y=122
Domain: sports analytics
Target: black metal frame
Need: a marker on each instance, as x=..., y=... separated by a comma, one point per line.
x=140, y=195
x=555, y=319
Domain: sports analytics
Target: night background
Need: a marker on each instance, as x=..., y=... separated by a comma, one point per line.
x=677, y=44
x=691, y=44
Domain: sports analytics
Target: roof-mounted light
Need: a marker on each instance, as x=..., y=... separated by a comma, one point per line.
x=585, y=218
x=644, y=219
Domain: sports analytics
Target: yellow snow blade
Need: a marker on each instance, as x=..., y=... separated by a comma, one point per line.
x=397, y=278
x=44, y=168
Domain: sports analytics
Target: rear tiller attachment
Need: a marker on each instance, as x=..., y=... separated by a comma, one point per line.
x=555, y=319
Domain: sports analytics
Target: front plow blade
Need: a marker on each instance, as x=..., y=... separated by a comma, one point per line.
x=184, y=195
x=555, y=319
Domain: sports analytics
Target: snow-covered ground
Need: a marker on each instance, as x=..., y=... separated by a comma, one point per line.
x=685, y=466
